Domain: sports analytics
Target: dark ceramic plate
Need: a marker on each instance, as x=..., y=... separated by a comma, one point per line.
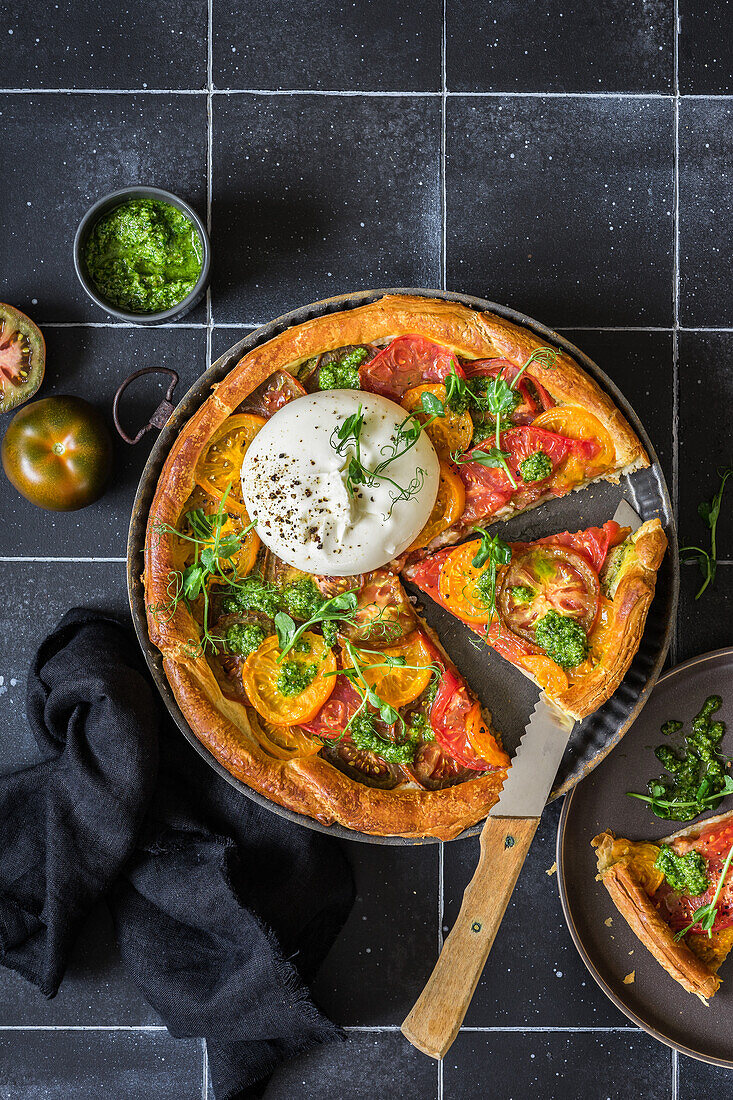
x=503, y=689
x=654, y=1001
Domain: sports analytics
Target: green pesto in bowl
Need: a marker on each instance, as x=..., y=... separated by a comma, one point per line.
x=144, y=256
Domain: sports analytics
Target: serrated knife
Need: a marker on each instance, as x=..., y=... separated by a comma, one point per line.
x=438, y=1013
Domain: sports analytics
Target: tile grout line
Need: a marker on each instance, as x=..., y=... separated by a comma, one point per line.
x=675, y=1075
x=204, y=1071
x=443, y=159
x=209, y=160
x=443, y=283
x=367, y=93
x=16, y=558
x=676, y=303
x=518, y=1028
x=260, y=324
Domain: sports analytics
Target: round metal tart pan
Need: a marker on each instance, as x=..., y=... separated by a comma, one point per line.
x=653, y=1000
x=505, y=691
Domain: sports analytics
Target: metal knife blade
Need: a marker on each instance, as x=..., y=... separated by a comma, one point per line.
x=535, y=762
x=544, y=740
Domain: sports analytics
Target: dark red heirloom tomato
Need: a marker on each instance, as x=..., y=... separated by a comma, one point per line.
x=57, y=452
x=22, y=357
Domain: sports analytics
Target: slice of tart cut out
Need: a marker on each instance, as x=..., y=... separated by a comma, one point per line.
x=657, y=914
x=568, y=610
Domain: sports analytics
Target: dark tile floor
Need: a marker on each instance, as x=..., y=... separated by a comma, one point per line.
x=567, y=159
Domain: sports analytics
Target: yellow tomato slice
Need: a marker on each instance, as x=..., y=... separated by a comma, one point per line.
x=448, y=433
x=262, y=669
x=220, y=464
x=398, y=685
x=448, y=507
x=483, y=741
x=576, y=423
x=458, y=584
x=547, y=674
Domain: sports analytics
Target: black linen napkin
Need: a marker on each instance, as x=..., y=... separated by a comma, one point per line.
x=221, y=909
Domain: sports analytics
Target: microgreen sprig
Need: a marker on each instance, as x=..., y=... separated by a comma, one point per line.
x=346, y=442
x=706, y=914
x=500, y=401
x=389, y=714
x=339, y=608
x=492, y=553
x=709, y=511
x=210, y=549
x=658, y=790
x=493, y=457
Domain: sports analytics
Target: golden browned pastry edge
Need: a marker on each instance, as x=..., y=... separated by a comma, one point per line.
x=631, y=602
x=637, y=909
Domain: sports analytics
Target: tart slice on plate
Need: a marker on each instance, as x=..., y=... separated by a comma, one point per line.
x=660, y=889
x=568, y=610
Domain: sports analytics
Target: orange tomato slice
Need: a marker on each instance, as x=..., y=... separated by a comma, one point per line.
x=482, y=741
x=220, y=464
x=576, y=423
x=458, y=584
x=448, y=433
x=547, y=674
x=262, y=669
x=448, y=507
x=398, y=685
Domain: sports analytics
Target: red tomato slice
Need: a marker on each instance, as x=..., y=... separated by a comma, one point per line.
x=335, y=713
x=714, y=844
x=408, y=361
x=488, y=489
x=426, y=574
x=593, y=543
x=451, y=716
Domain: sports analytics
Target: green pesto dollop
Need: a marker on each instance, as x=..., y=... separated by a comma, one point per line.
x=562, y=638
x=294, y=678
x=253, y=594
x=244, y=638
x=686, y=874
x=365, y=737
x=302, y=598
x=697, y=773
x=342, y=373
x=144, y=256
x=521, y=593
x=536, y=467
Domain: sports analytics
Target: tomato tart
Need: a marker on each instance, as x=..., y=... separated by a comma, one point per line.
x=342, y=455
x=677, y=896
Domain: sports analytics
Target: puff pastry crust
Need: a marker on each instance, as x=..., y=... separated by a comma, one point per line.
x=625, y=868
x=311, y=785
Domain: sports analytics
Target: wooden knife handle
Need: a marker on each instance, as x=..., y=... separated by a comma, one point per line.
x=438, y=1013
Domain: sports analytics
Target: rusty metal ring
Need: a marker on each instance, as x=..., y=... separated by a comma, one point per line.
x=160, y=417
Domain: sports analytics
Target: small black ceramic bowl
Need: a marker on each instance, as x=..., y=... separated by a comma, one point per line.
x=109, y=202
